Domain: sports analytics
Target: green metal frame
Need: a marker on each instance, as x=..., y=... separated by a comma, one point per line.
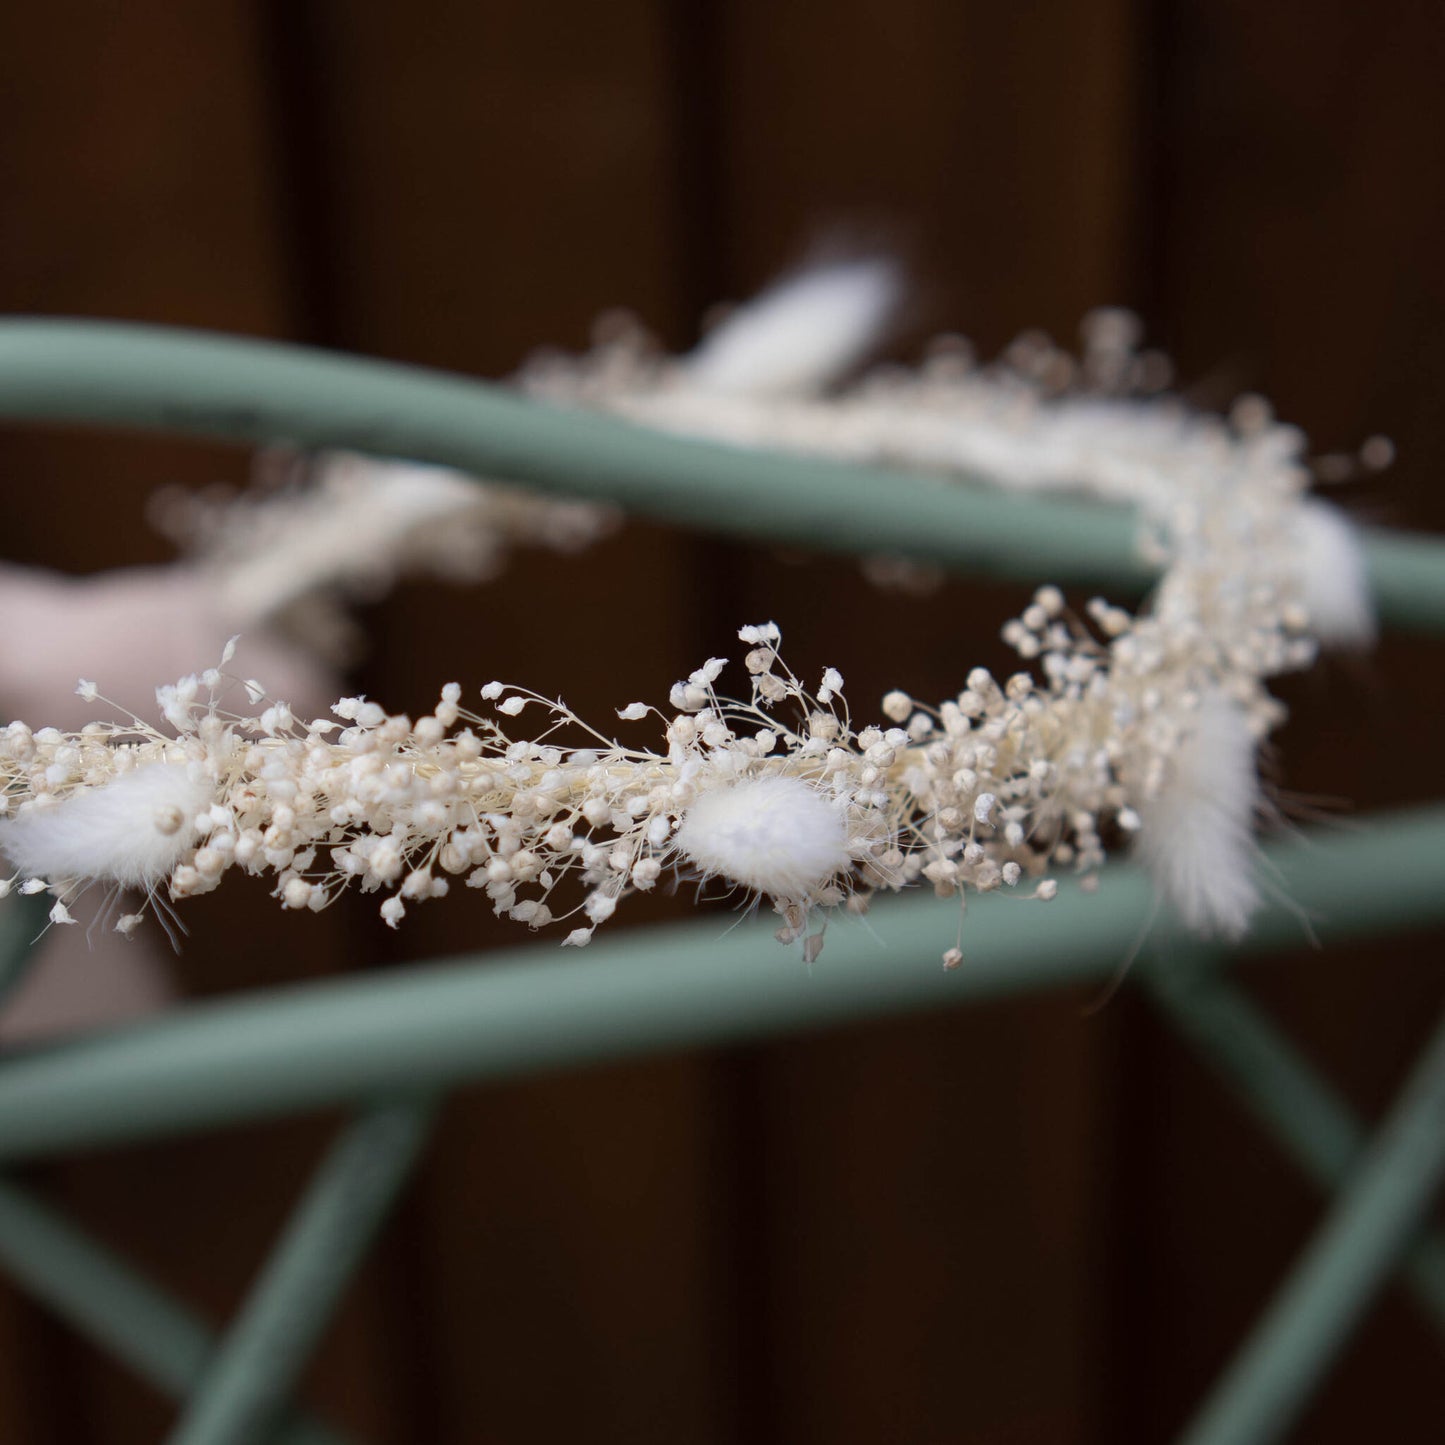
x=393, y=1043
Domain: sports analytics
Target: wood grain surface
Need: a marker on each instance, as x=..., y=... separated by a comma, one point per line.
x=1032, y=1223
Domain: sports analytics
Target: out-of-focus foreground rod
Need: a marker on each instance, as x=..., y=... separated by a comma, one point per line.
x=113, y=1306
x=1303, y=1112
x=262, y=392
x=22, y=921
x=248, y=1381
x=1309, y=1320
x=527, y=1011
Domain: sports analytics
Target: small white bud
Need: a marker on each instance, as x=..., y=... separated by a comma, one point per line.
x=897, y=706
x=600, y=907
x=297, y=894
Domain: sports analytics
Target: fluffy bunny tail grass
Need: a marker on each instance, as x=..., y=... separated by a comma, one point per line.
x=1333, y=578
x=801, y=334
x=133, y=830
x=1196, y=837
x=775, y=835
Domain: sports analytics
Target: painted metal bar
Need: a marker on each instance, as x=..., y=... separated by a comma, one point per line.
x=1312, y=1315
x=1308, y=1117
x=531, y=1010
x=22, y=920
x=261, y=392
x=251, y=1376
x=1407, y=572
x=115, y=1307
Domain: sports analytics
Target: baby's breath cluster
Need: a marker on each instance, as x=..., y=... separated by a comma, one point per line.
x=337, y=523
x=406, y=807
x=1222, y=500
x=1124, y=725
x=781, y=794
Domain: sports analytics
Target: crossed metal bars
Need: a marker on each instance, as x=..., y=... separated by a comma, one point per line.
x=396, y=1043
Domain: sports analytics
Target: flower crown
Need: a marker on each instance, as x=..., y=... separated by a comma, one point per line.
x=1118, y=727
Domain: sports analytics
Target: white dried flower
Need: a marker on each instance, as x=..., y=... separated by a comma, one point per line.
x=802, y=333
x=1136, y=726
x=348, y=525
x=133, y=828
x=773, y=834
x=1197, y=833
x=1254, y=575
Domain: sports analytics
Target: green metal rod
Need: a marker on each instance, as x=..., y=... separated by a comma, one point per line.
x=113, y=1306
x=248, y=1381
x=1309, y=1320
x=261, y=392
x=529, y=1010
x=22, y=920
x=1407, y=574
x=1304, y=1114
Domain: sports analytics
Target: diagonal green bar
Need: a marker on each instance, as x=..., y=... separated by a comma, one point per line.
x=112, y=1305
x=252, y=1374
x=1305, y=1114
x=259, y=392
x=1407, y=573
x=530, y=1010
x=1311, y=1317
x=22, y=920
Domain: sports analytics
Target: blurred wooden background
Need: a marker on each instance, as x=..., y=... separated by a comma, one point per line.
x=1024, y=1223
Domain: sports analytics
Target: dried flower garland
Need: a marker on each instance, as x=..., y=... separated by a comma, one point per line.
x=312, y=531
x=1130, y=727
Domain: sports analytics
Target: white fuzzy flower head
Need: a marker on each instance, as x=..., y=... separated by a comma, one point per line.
x=802, y=333
x=132, y=830
x=1196, y=837
x=1330, y=565
x=775, y=835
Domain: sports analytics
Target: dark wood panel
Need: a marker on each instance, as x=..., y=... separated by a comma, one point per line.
x=1024, y=1224
x=495, y=172
x=933, y=1189
x=499, y=174
x=134, y=171
x=1296, y=222
x=995, y=142
x=136, y=162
